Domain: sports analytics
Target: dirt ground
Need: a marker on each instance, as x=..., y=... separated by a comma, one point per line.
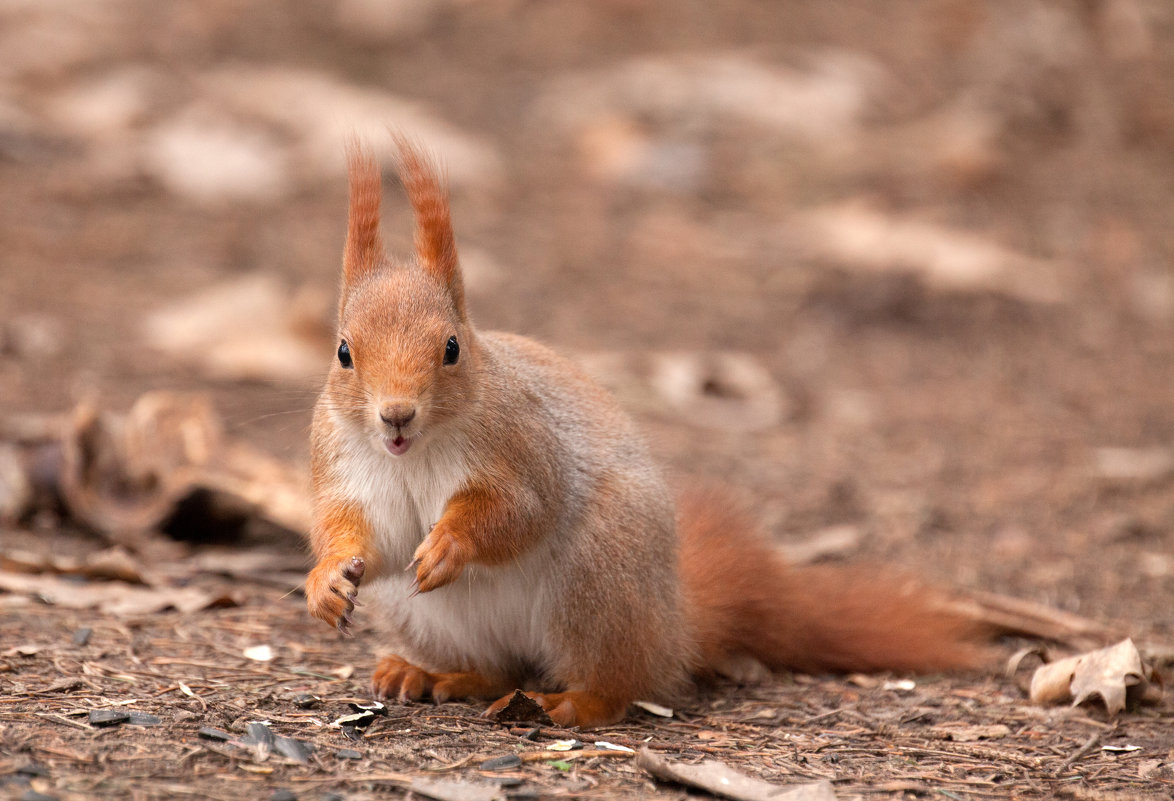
x=934, y=239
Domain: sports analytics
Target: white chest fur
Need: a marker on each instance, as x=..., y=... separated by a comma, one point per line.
x=490, y=618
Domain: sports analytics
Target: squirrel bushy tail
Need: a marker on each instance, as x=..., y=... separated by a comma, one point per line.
x=744, y=602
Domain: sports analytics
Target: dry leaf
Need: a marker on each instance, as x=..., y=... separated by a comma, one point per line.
x=123, y=475
x=729, y=390
x=112, y=597
x=250, y=328
x=720, y=779
x=457, y=790
x=862, y=238
x=111, y=563
x=1111, y=673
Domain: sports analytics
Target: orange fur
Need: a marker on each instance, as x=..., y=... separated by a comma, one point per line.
x=575, y=708
x=364, y=245
x=744, y=601
x=395, y=677
x=541, y=535
x=341, y=539
x=434, y=240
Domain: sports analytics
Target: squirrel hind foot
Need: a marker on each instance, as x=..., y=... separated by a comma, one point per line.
x=396, y=678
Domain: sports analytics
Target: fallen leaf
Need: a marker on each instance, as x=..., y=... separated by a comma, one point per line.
x=246, y=328
x=720, y=779
x=727, y=390
x=457, y=790
x=859, y=237
x=1114, y=674
x=111, y=563
x=1148, y=767
x=823, y=100
x=112, y=597
x=730, y=390
x=124, y=475
x=1141, y=465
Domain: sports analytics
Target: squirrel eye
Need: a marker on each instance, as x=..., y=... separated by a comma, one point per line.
x=344, y=355
x=452, y=351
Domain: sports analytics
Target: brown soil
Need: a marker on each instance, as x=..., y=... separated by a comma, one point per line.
x=960, y=430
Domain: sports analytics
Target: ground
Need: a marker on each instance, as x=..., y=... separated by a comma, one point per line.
x=936, y=237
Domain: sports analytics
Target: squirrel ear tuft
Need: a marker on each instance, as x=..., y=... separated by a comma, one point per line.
x=364, y=246
x=427, y=190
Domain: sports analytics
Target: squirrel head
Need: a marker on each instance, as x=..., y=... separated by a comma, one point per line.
x=406, y=352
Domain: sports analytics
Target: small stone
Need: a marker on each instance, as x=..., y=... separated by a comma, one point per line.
x=348, y=753
x=81, y=637
x=209, y=733
x=502, y=762
x=283, y=795
x=32, y=769
x=108, y=717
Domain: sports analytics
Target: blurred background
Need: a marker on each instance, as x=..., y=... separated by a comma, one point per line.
x=900, y=272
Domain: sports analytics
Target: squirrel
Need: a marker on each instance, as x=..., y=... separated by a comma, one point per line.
x=510, y=528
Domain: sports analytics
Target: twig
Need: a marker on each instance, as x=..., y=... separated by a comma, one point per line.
x=64, y=720
x=567, y=756
x=1090, y=744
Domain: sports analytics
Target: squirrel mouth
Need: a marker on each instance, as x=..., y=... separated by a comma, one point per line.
x=398, y=445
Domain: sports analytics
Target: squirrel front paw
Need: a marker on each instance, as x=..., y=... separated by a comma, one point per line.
x=331, y=588
x=439, y=560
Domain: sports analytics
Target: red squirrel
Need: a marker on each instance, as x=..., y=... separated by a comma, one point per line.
x=511, y=530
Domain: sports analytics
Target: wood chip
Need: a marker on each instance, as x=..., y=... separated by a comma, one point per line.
x=720, y=779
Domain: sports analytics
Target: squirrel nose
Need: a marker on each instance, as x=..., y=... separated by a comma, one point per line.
x=397, y=414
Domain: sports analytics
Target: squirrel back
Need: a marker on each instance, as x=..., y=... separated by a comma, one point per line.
x=512, y=529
